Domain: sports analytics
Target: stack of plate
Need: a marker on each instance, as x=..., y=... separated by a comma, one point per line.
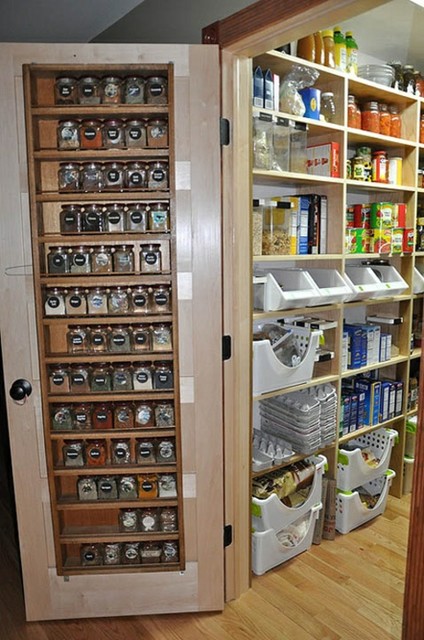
x=379, y=73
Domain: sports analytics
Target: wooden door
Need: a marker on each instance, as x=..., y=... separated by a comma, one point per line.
x=200, y=586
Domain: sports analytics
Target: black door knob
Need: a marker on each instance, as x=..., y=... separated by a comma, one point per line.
x=20, y=389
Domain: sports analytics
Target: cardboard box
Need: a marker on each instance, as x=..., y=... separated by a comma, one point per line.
x=324, y=160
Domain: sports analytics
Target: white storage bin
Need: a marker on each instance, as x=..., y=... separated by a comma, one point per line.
x=352, y=513
x=408, y=473
x=269, y=374
x=353, y=471
x=332, y=287
x=271, y=513
x=268, y=552
x=283, y=289
x=411, y=436
x=393, y=282
x=418, y=281
x=363, y=282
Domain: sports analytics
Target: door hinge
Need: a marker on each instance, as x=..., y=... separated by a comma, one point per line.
x=228, y=535
x=226, y=347
x=224, y=132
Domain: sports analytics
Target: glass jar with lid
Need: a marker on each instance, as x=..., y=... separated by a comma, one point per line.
x=112, y=553
x=135, y=134
x=157, y=90
x=128, y=520
x=65, y=90
x=98, y=339
x=398, y=79
x=395, y=121
x=139, y=297
x=164, y=415
x=75, y=302
x=102, y=417
x=168, y=520
x=122, y=378
x=58, y=260
x=114, y=218
x=121, y=452
x=370, y=118
x=92, y=218
x=113, y=134
x=92, y=176
x=157, y=133
x=113, y=176
x=136, y=217
x=161, y=299
x=101, y=260
x=148, y=486
x=123, y=416
x=80, y=261
x=91, y=555
x=91, y=134
x=78, y=339
x=111, y=90
x=143, y=415
x=169, y=552
x=100, y=379
x=61, y=416
x=70, y=219
x=119, y=339
x=81, y=416
x=150, y=258
x=162, y=337
x=134, y=90
x=131, y=553
x=380, y=166
x=89, y=90
x=69, y=176
x=328, y=106
x=97, y=301
x=107, y=488
x=145, y=451
x=142, y=377
x=59, y=379
x=158, y=216
x=165, y=451
x=141, y=338
x=408, y=79
x=149, y=520
x=73, y=453
x=118, y=301
x=79, y=378
x=384, y=119
x=167, y=486
x=135, y=175
x=68, y=134
x=157, y=175
x=123, y=259
x=96, y=453
x=87, y=489
x=54, y=304
x=127, y=488
x=163, y=376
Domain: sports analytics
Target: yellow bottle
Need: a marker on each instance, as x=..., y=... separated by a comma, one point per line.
x=339, y=49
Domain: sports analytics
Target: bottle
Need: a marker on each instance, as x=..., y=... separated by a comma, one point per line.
x=419, y=84
x=385, y=119
x=328, y=39
x=319, y=47
x=339, y=49
x=395, y=121
x=398, y=79
x=408, y=79
x=328, y=106
x=351, y=54
x=306, y=48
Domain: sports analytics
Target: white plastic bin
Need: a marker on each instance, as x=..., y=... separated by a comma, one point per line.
x=353, y=471
x=393, y=282
x=352, y=513
x=408, y=473
x=283, y=289
x=268, y=552
x=411, y=436
x=418, y=281
x=333, y=288
x=271, y=513
x=363, y=282
x=269, y=374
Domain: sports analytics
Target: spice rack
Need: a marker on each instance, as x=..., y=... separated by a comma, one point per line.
x=103, y=242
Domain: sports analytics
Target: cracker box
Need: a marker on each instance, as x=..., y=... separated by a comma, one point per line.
x=324, y=160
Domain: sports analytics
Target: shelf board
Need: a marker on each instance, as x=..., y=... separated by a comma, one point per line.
x=73, y=567
x=134, y=396
x=412, y=412
x=81, y=535
x=94, y=280
x=96, y=320
x=110, y=469
x=320, y=256
x=315, y=127
x=282, y=63
x=360, y=136
x=58, y=112
x=372, y=301
x=297, y=387
x=373, y=256
x=288, y=461
x=96, y=238
x=366, y=89
x=416, y=353
x=271, y=177
x=109, y=196
x=262, y=315
x=110, y=357
x=378, y=365
x=368, y=429
x=72, y=504
x=136, y=432
x=377, y=186
x=87, y=155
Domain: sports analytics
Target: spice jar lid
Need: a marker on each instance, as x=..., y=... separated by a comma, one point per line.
x=327, y=94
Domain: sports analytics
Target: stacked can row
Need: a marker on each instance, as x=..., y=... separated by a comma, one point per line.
x=104, y=416
x=378, y=227
x=146, y=486
x=112, y=176
x=123, y=451
x=117, y=553
x=141, y=217
x=111, y=89
x=114, y=133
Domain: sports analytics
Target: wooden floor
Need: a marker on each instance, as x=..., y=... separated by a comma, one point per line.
x=350, y=589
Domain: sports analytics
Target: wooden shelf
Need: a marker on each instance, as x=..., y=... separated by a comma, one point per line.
x=116, y=470
x=73, y=567
x=272, y=177
x=72, y=504
x=137, y=432
x=107, y=196
x=64, y=358
x=368, y=429
x=133, y=396
x=96, y=239
x=311, y=383
x=377, y=365
x=89, y=320
x=76, y=535
x=89, y=155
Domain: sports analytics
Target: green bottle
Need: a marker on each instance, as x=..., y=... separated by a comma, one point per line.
x=339, y=49
x=351, y=54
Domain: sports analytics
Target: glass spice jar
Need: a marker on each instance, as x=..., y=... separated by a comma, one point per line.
x=123, y=416
x=131, y=553
x=78, y=339
x=157, y=133
x=123, y=259
x=167, y=486
x=136, y=217
x=59, y=379
x=54, y=304
x=79, y=378
x=113, y=176
x=89, y=90
x=111, y=90
x=395, y=121
x=119, y=339
x=73, y=453
x=96, y=453
x=91, y=555
x=149, y=520
x=128, y=520
x=122, y=378
x=98, y=339
x=92, y=218
x=75, y=302
x=135, y=175
x=91, y=134
x=150, y=552
x=61, y=418
x=81, y=416
x=87, y=489
x=141, y=338
x=145, y=452
x=161, y=299
x=101, y=260
x=150, y=258
x=164, y=415
x=97, y=301
x=118, y=301
x=165, y=451
x=65, y=90
x=162, y=337
x=328, y=106
x=384, y=119
x=169, y=552
x=101, y=378
x=168, y=520
x=114, y=218
x=127, y=488
x=68, y=135
x=135, y=134
x=134, y=90
x=112, y=553
x=102, y=417
x=107, y=488
x=80, y=260
x=58, y=260
x=143, y=415
x=121, y=452
x=139, y=300
x=148, y=486
x=157, y=175
x=69, y=176
x=113, y=134
x=92, y=176
x=163, y=377
x=370, y=119
x=158, y=216
x=142, y=377
x=157, y=90
x=70, y=219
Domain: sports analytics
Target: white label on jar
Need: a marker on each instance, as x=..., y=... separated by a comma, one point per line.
x=136, y=217
x=136, y=178
x=58, y=260
x=58, y=379
x=156, y=89
x=89, y=556
x=81, y=418
x=101, y=259
x=111, y=90
x=106, y=487
x=90, y=133
x=157, y=132
x=67, y=134
x=72, y=455
x=75, y=301
x=144, y=452
x=140, y=338
x=113, y=176
x=135, y=133
x=163, y=377
x=53, y=302
x=80, y=260
x=158, y=175
x=131, y=554
x=142, y=376
x=78, y=379
x=148, y=523
x=129, y=519
x=166, y=449
x=101, y=417
x=158, y=218
x=113, y=133
x=88, y=90
x=95, y=454
x=143, y=415
x=77, y=340
x=151, y=258
x=98, y=340
x=120, y=452
x=65, y=91
x=97, y=301
x=161, y=299
x=99, y=379
x=140, y=300
x=147, y=485
x=118, y=340
x=133, y=90
x=114, y=218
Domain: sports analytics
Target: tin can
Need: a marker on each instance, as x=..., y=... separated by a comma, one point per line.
x=397, y=240
x=381, y=240
x=358, y=168
x=395, y=170
x=408, y=240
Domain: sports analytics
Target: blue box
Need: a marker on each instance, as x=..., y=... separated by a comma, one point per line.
x=353, y=412
x=345, y=415
x=312, y=100
x=361, y=407
x=355, y=346
x=372, y=391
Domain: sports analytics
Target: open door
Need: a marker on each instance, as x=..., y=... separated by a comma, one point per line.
x=199, y=585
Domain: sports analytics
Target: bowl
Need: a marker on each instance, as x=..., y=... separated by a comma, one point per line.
x=380, y=73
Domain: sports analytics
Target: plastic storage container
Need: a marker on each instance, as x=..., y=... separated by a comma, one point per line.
x=408, y=474
x=364, y=282
x=284, y=289
x=418, y=281
x=333, y=288
x=393, y=283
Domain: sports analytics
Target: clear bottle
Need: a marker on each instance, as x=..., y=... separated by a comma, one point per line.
x=351, y=54
x=398, y=79
x=150, y=258
x=70, y=219
x=328, y=106
x=78, y=339
x=101, y=260
x=140, y=300
x=54, y=304
x=339, y=49
x=370, y=118
x=98, y=339
x=156, y=90
x=328, y=40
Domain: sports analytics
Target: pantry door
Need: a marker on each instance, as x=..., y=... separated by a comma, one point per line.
x=200, y=587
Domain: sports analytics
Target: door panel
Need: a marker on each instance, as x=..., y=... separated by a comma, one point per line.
x=201, y=585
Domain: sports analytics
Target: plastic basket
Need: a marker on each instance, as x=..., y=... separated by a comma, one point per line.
x=408, y=474
x=283, y=289
x=332, y=287
x=268, y=552
x=351, y=513
x=353, y=471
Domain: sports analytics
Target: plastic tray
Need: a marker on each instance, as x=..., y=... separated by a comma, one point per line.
x=418, y=281
x=271, y=513
x=283, y=289
x=351, y=513
x=268, y=552
x=353, y=471
x=393, y=282
x=363, y=282
x=269, y=374
x=332, y=287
